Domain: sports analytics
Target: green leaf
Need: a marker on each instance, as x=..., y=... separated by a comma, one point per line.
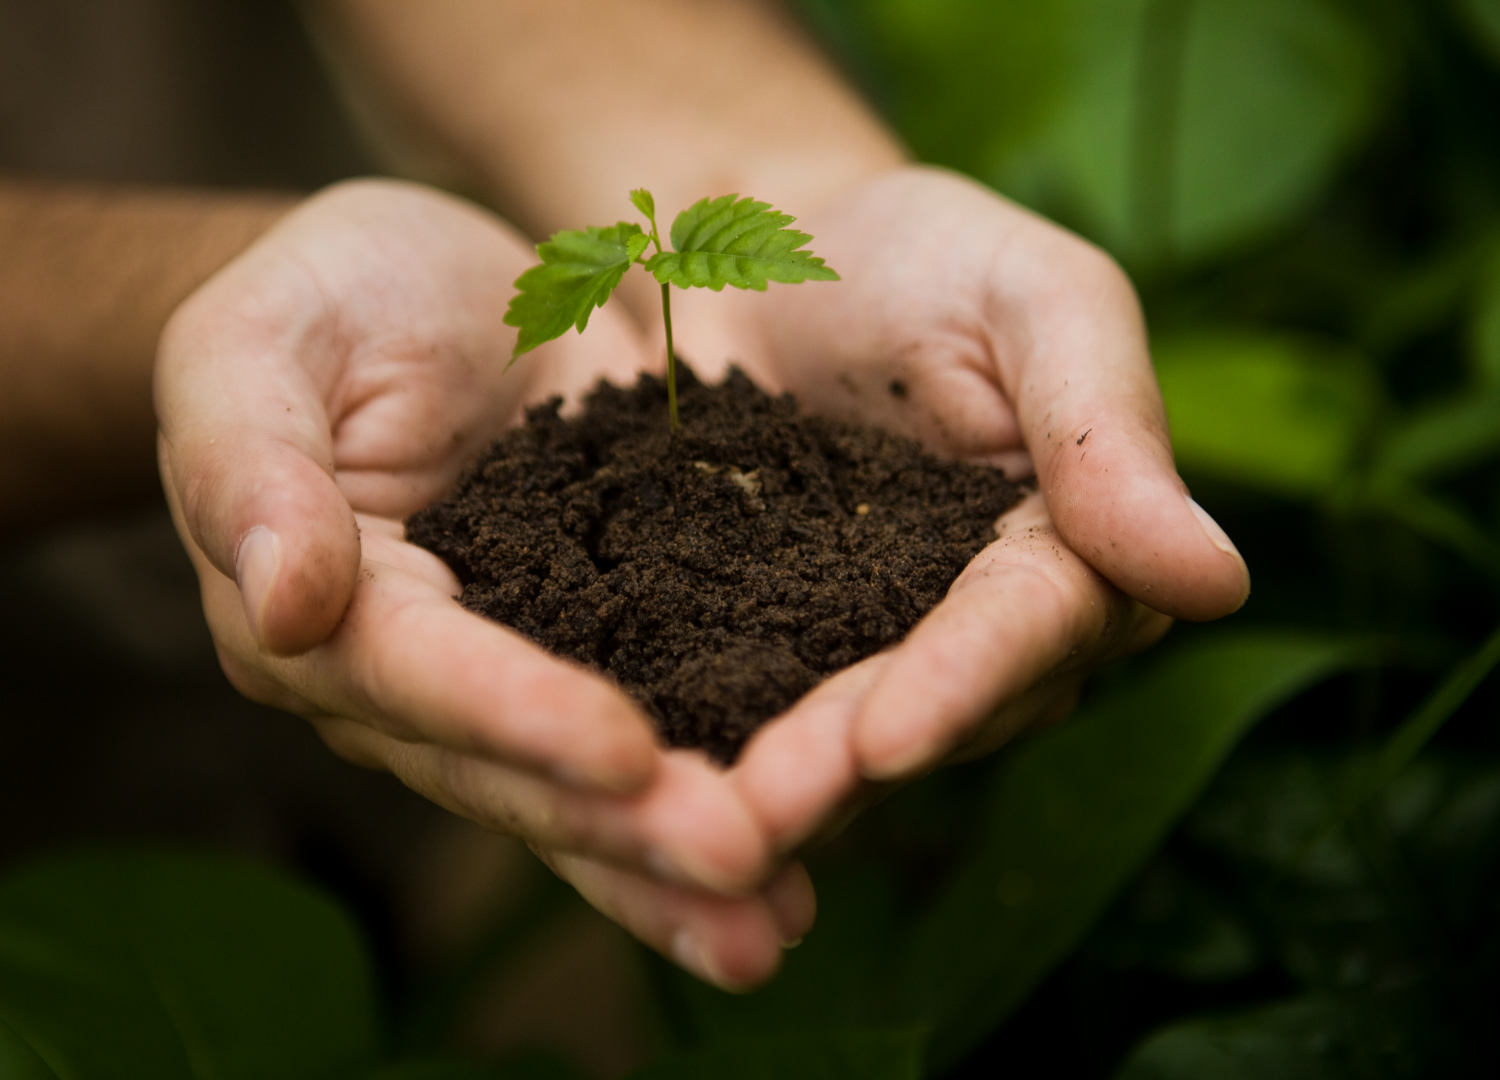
x=166, y=965
x=579, y=270
x=853, y=1055
x=1310, y=1038
x=964, y=80
x=1433, y=519
x=1076, y=810
x=19, y=1060
x=1484, y=18
x=1171, y=922
x=739, y=242
x=644, y=201
x=1413, y=734
x=1164, y=129
x=1275, y=414
x=1484, y=331
x=1274, y=95
x=1442, y=438
x=530, y=1067
x=1071, y=814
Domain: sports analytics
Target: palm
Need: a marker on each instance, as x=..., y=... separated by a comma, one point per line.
x=989, y=335
x=327, y=384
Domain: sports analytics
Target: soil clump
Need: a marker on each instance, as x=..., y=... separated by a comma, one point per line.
x=718, y=573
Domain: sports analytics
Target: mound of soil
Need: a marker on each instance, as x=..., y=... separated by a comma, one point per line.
x=718, y=573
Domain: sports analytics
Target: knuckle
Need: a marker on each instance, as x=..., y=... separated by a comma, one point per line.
x=476, y=796
x=256, y=684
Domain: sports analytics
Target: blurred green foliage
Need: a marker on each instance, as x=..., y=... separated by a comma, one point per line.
x=1268, y=849
x=166, y=965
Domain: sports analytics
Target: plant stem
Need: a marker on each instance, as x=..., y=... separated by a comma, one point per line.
x=666, y=314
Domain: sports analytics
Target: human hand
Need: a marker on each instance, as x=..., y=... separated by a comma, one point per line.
x=990, y=335
x=322, y=387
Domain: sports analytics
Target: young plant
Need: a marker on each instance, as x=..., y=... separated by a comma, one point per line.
x=716, y=242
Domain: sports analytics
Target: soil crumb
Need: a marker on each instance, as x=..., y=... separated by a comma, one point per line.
x=718, y=573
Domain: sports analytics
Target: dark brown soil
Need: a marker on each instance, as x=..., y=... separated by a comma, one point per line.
x=720, y=573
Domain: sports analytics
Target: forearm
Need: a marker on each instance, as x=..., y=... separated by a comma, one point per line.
x=554, y=109
x=88, y=277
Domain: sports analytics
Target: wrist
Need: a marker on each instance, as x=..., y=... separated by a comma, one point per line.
x=88, y=278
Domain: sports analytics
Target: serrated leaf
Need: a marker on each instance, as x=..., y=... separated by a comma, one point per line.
x=644, y=201
x=739, y=242
x=579, y=270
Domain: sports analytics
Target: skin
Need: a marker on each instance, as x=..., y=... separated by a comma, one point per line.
x=356, y=356
x=88, y=276
x=336, y=375
x=328, y=383
x=1014, y=339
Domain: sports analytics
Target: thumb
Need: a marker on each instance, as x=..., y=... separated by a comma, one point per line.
x=247, y=463
x=1092, y=414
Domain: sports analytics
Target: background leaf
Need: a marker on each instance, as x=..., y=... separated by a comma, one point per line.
x=1066, y=818
x=1442, y=437
x=441, y=1068
x=1274, y=414
x=1484, y=333
x=1484, y=18
x=168, y=965
x=857, y=1055
x=964, y=80
x=1313, y=1038
x=1415, y=733
x=579, y=270
x=1168, y=130
x=1076, y=811
x=739, y=242
x=18, y=1061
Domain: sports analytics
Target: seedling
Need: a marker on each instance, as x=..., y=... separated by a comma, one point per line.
x=716, y=242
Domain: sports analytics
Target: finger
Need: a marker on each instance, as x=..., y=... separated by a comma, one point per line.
x=247, y=462
x=1071, y=350
x=999, y=329
x=793, y=902
x=689, y=828
x=797, y=775
x=733, y=943
x=409, y=662
x=1024, y=609
x=1045, y=704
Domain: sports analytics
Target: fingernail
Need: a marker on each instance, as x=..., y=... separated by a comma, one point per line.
x=899, y=764
x=610, y=776
x=691, y=956
x=1216, y=534
x=683, y=869
x=663, y=867
x=256, y=565
x=793, y=903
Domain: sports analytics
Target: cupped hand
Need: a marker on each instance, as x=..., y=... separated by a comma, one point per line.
x=990, y=335
x=328, y=383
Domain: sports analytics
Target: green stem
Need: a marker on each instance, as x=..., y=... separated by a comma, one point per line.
x=666, y=314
